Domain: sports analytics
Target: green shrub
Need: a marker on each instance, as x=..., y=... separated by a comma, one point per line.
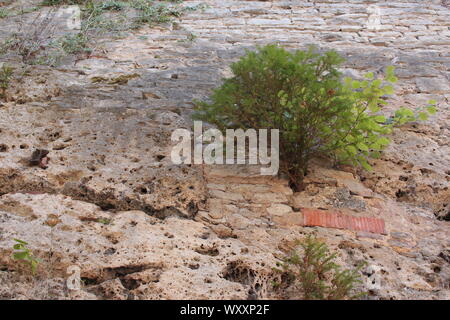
x=316, y=276
x=304, y=96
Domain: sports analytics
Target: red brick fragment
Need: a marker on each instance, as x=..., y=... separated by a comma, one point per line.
x=338, y=220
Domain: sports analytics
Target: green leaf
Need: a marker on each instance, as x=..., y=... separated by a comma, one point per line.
x=375, y=154
x=362, y=146
x=404, y=112
x=350, y=138
x=352, y=150
x=431, y=109
x=432, y=101
x=380, y=119
x=20, y=255
x=376, y=83
x=383, y=141
x=388, y=90
x=390, y=70
x=423, y=116
x=369, y=75
x=366, y=165
x=34, y=264
x=373, y=106
x=390, y=76
x=356, y=84
x=364, y=84
x=20, y=241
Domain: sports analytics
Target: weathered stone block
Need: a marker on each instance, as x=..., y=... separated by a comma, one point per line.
x=226, y=195
x=433, y=85
x=279, y=209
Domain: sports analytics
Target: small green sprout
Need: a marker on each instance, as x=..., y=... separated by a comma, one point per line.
x=23, y=253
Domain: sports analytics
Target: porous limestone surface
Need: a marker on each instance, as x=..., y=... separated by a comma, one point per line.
x=139, y=227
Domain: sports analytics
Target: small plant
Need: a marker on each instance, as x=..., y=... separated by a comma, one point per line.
x=74, y=43
x=91, y=9
x=23, y=253
x=152, y=14
x=318, y=113
x=316, y=276
x=51, y=59
x=31, y=41
x=62, y=2
x=4, y=13
x=113, y=5
x=104, y=221
x=6, y=73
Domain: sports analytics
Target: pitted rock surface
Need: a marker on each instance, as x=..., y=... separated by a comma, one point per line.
x=140, y=227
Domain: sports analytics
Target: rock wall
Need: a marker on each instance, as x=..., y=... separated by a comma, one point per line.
x=140, y=227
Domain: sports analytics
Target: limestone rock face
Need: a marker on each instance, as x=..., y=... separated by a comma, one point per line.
x=114, y=158
x=108, y=201
x=122, y=255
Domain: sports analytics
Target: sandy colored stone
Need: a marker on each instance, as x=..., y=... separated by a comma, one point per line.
x=279, y=209
x=141, y=227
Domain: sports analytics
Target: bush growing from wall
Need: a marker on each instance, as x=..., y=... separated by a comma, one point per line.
x=318, y=113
